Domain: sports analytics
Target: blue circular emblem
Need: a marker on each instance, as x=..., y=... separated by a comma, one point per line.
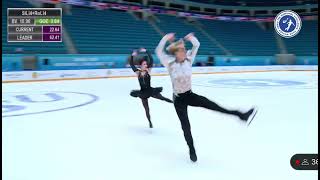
x=287, y=24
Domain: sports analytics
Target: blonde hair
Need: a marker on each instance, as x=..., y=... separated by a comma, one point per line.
x=173, y=47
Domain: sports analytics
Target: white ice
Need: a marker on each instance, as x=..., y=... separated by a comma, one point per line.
x=110, y=139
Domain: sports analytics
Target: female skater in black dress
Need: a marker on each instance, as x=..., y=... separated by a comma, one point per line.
x=144, y=78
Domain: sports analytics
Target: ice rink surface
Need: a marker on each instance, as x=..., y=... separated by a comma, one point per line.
x=93, y=129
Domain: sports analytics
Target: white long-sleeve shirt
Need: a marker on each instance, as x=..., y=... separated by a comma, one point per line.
x=180, y=73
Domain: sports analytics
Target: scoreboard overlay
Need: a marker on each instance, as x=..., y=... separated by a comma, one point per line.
x=34, y=25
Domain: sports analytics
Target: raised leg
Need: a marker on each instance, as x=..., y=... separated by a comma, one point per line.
x=159, y=96
x=201, y=101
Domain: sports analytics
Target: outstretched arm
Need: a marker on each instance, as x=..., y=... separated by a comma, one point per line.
x=195, y=46
x=164, y=58
x=133, y=67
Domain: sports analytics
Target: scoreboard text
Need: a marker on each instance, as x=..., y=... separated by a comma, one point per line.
x=34, y=24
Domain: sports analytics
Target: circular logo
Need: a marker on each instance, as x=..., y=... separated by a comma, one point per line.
x=287, y=24
x=27, y=103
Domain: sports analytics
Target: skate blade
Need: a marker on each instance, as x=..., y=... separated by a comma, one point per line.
x=252, y=116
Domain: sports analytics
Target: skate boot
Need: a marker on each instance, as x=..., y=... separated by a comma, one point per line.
x=249, y=116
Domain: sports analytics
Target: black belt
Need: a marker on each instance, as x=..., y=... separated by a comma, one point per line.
x=185, y=93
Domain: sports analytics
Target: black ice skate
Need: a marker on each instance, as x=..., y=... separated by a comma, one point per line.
x=193, y=156
x=249, y=116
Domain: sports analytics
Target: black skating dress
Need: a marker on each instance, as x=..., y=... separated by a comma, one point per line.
x=146, y=90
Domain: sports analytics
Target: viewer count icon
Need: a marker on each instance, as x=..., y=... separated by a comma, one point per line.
x=305, y=162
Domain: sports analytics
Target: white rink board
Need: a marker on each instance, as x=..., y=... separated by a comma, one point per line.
x=125, y=72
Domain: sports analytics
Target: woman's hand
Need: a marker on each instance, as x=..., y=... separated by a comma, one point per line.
x=170, y=36
x=142, y=50
x=134, y=53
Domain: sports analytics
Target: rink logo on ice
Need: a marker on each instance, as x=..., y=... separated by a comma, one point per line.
x=27, y=103
x=250, y=83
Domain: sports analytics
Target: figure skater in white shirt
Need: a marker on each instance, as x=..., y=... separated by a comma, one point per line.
x=178, y=62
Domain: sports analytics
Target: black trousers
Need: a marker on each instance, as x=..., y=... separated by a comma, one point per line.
x=181, y=103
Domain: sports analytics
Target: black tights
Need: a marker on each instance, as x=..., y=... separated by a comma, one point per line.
x=181, y=103
x=159, y=96
x=146, y=104
x=146, y=108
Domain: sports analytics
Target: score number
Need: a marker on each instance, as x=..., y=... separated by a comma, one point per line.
x=54, y=29
x=314, y=162
x=54, y=37
x=47, y=21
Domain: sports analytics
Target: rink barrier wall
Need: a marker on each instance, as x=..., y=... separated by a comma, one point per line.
x=44, y=62
x=33, y=76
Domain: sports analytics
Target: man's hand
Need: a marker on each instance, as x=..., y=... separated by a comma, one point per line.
x=188, y=36
x=170, y=36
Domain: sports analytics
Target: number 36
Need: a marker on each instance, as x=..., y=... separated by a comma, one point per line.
x=314, y=161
